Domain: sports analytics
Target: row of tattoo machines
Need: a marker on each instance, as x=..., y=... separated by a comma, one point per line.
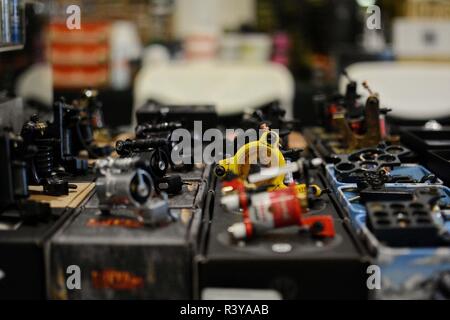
x=259, y=221
x=117, y=210
x=361, y=212
x=392, y=185
x=54, y=155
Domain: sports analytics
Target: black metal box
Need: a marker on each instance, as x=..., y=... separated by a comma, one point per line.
x=22, y=271
x=119, y=258
x=187, y=114
x=282, y=264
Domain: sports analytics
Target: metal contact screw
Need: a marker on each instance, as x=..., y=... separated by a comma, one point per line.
x=281, y=247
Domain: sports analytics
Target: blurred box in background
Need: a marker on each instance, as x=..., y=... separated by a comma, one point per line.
x=427, y=8
x=80, y=58
x=422, y=32
x=421, y=38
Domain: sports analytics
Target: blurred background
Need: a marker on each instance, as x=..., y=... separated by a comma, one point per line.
x=236, y=54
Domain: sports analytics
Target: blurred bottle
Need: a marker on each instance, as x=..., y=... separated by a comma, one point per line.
x=230, y=47
x=125, y=47
x=198, y=23
x=5, y=26
x=281, y=48
x=17, y=25
x=256, y=48
x=162, y=12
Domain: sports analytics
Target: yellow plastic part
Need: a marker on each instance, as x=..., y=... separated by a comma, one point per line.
x=259, y=152
x=241, y=162
x=314, y=189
